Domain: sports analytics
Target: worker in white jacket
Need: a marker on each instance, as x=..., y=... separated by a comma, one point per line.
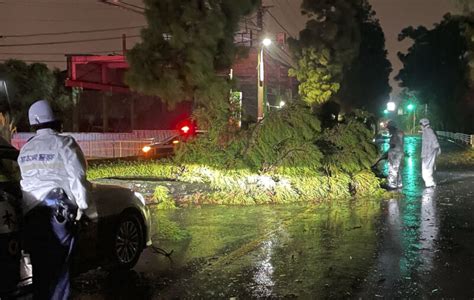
x=54, y=186
x=430, y=149
x=395, y=156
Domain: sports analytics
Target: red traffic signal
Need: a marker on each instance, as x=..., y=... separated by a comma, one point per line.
x=187, y=128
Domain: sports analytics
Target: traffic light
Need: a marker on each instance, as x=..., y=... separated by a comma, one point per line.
x=385, y=111
x=410, y=107
x=187, y=128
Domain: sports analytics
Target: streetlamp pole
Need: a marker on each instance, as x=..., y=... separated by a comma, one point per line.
x=261, y=79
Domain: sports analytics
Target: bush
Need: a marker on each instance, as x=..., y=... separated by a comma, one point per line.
x=162, y=195
x=347, y=147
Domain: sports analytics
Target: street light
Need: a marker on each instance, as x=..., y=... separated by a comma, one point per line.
x=391, y=106
x=280, y=106
x=266, y=42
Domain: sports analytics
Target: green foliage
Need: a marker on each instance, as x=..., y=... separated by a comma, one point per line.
x=29, y=83
x=365, y=184
x=244, y=187
x=347, y=147
x=317, y=82
x=463, y=159
x=162, y=195
x=365, y=83
x=439, y=75
x=135, y=169
x=467, y=6
x=285, y=139
x=168, y=229
x=325, y=47
x=184, y=45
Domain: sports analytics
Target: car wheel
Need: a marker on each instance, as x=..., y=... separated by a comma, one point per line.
x=128, y=241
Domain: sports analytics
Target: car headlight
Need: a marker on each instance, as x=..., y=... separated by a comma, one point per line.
x=146, y=149
x=140, y=197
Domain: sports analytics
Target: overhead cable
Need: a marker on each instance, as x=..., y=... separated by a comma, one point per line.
x=69, y=32
x=67, y=42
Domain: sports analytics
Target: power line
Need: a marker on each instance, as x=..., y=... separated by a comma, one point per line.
x=70, y=32
x=292, y=17
x=38, y=61
x=54, y=53
x=132, y=5
x=125, y=7
x=67, y=42
x=278, y=22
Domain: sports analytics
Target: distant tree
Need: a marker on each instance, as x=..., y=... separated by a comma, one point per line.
x=28, y=83
x=183, y=46
x=366, y=82
x=466, y=6
x=436, y=68
x=325, y=48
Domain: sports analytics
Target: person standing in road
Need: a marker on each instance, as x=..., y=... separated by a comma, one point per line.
x=54, y=187
x=430, y=149
x=395, y=156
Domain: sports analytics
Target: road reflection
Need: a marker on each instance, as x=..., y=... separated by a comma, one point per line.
x=429, y=228
x=263, y=276
x=411, y=225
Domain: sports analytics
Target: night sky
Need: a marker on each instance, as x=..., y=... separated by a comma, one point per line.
x=19, y=17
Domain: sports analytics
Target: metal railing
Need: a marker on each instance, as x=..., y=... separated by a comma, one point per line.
x=108, y=145
x=112, y=149
x=462, y=138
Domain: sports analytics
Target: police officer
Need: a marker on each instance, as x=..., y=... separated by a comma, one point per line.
x=54, y=186
x=395, y=156
x=430, y=149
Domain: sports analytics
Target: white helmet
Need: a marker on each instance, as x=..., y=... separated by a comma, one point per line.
x=424, y=122
x=40, y=112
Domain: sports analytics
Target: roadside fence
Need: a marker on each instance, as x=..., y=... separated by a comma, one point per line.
x=107, y=145
x=462, y=138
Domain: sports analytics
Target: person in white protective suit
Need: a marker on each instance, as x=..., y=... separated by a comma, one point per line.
x=430, y=149
x=54, y=187
x=395, y=156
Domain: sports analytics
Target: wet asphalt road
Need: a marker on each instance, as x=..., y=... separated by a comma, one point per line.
x=420, y=244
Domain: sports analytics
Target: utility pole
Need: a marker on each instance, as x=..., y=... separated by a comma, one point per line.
x=261, y=90
x=124, y=44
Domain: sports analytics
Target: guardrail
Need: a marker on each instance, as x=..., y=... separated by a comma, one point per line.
x=462, y=138
x=107, y=145
x=112, y=149
x=106, y=149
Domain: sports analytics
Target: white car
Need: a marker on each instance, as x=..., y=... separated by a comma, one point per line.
x=113, y=233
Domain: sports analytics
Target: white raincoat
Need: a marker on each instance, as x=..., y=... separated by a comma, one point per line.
x=429, y=150
x=395, y=158
x=49, y=161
